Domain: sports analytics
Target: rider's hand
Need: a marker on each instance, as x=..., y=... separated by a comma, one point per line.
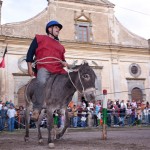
x=65, y=64
x=30, y=71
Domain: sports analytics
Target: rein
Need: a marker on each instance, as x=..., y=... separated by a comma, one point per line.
x=38, y=61
x=69, y=70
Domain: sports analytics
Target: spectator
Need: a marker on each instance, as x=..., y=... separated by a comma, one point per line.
x=116, y=114
x=3, y=115
x=55, y=117
x=0, y=104
x=75, y=116
x=21, y=117
x=96, y=111
x=62, y=120
x=128, y=113
x=84, y=118
x=11, y=118
x=133, y=115
x=91, y=106
x=59, y=118
x=11, y=103
x=109, y=113
x=134, y=104
x=122, y=114
x=123, y=104
x=146, y=112
x=139, y=114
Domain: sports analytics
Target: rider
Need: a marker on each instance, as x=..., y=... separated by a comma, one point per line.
x=50, y=53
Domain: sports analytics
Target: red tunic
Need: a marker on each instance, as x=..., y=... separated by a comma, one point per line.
x=48, y=47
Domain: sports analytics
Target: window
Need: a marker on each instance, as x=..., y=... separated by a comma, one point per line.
x=83, y=27
x=135, y=70
x=83, y=33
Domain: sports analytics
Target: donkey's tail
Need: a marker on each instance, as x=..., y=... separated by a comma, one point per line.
x=26, y=93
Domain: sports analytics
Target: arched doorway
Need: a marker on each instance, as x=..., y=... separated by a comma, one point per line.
x=137, y=94
x=21, y=100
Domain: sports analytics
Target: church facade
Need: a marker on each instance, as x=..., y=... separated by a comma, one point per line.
x=91, y=32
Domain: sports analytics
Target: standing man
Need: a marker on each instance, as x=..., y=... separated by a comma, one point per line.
x=3, y=116
x=49, y=54
x=11, y=113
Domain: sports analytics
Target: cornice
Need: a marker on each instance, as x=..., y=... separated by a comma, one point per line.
x=106, y=45
x=104, y=3
x=136, y=78
x=19, y=74
x=79, y=45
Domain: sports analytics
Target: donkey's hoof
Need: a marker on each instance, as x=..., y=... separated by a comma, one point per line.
x=26, y=139
x=51, y=145
x=40, y=141
x=57, y=136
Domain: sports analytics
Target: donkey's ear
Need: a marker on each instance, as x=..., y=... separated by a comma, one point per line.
x=84, y=62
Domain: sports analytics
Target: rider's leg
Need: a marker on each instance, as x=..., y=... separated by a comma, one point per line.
x=42, y=76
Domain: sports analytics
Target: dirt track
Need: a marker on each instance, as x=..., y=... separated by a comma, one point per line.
x=87, y=139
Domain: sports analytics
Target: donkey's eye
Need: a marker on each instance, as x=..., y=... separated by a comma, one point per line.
x=86, y=76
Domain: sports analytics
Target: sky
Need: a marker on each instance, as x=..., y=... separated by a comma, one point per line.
x=132, y=14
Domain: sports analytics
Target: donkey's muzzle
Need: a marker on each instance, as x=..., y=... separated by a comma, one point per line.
x=90, y=94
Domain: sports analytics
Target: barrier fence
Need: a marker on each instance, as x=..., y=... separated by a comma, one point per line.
x=89, y=119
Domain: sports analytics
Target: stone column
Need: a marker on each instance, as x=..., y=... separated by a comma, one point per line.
x=147, y=96
x=116, y=77
x=52, y=6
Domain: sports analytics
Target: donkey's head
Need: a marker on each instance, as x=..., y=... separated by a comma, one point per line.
x=85, y=81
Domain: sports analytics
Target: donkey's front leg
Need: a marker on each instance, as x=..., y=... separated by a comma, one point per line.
x=66, y=124
x=50, y=125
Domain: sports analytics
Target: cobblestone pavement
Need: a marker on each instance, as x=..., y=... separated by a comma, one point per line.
x=81, y=139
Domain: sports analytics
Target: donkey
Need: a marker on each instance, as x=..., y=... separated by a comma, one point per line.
x=59, y=91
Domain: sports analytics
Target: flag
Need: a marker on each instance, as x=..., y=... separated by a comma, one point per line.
x=2, y=64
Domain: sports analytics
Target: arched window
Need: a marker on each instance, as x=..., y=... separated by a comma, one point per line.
x=136, y=94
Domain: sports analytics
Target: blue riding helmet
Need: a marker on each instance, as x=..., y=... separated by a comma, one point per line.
x=53, y=23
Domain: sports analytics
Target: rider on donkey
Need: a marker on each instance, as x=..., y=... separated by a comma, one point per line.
x=49, y=55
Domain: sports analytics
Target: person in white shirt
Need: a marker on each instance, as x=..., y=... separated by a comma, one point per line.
x=146, y=113
x=0, y=104
x=123, y=104
x=134, y=104
x=11, y=113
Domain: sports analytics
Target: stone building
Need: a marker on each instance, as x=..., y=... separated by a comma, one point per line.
x=90, y=32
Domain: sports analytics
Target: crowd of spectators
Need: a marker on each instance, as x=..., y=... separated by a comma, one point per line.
x=11, y=116
x=119, y=113
x=134, y=113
